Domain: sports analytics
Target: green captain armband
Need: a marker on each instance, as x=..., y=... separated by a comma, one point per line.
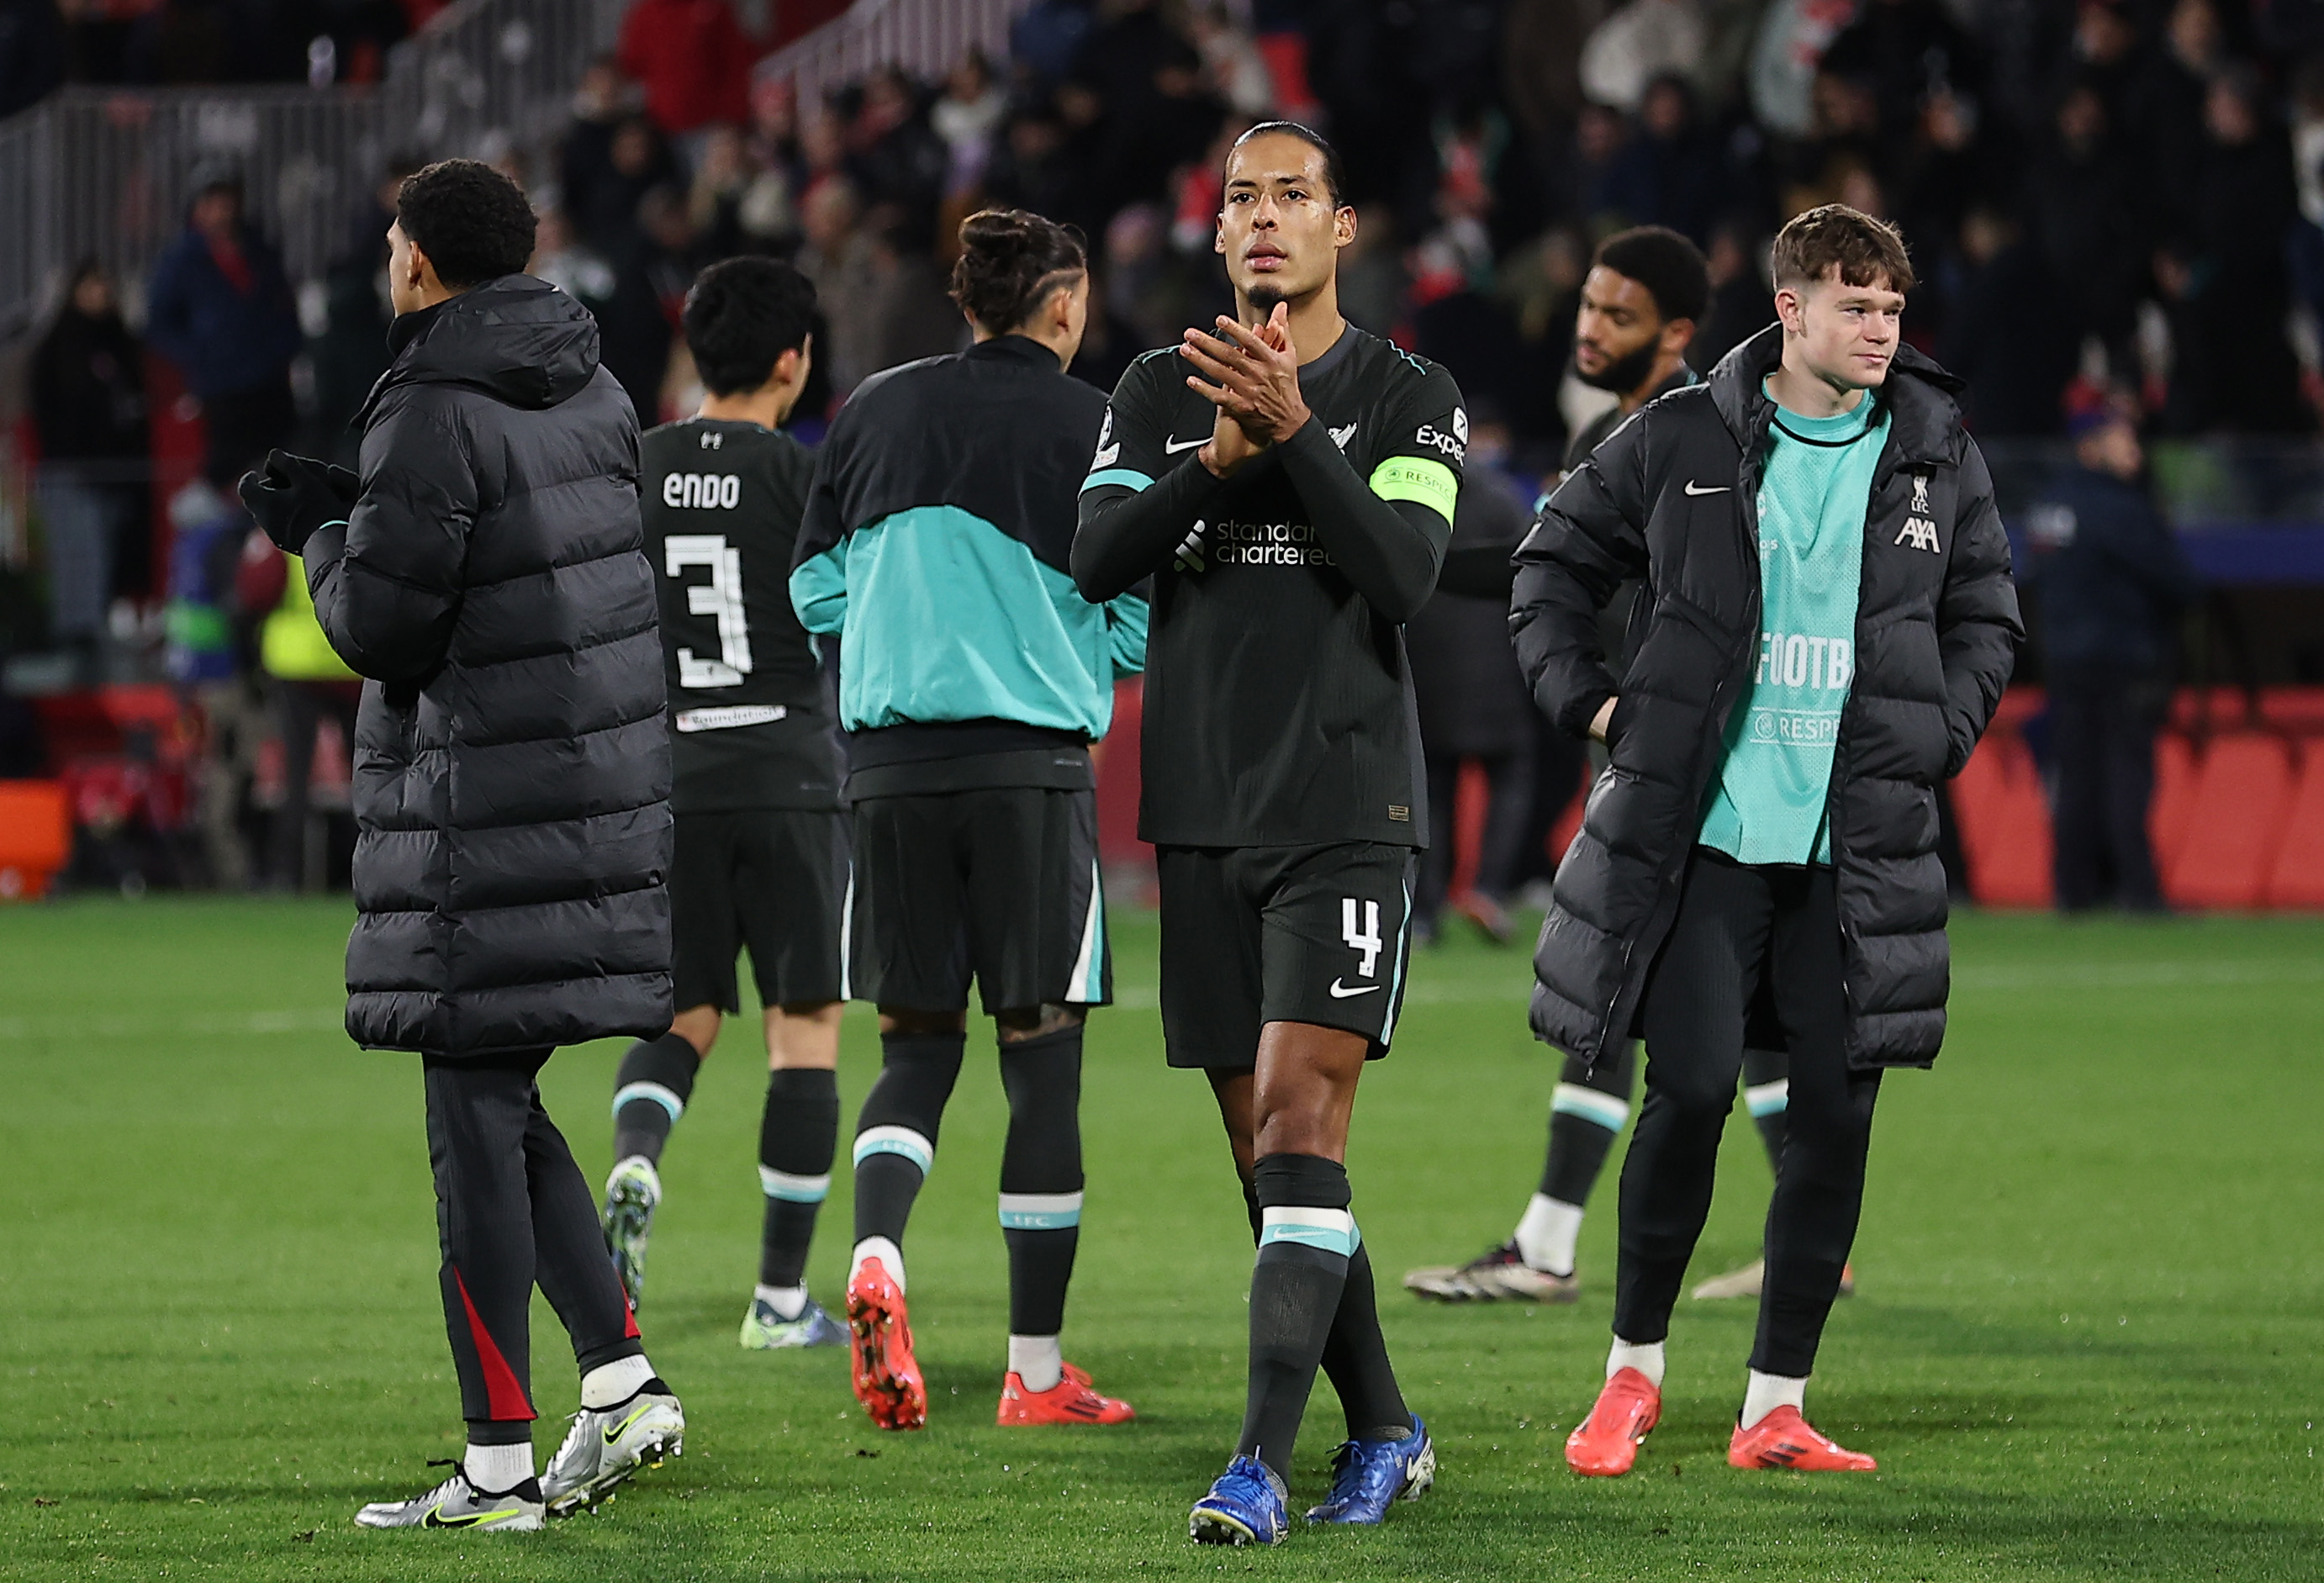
x=1417, y=479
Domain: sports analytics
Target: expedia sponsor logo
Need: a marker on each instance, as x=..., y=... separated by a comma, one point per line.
x=1453, y=444
x=1266, y=544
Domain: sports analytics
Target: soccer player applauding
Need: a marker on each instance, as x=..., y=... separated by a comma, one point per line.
x=1830, y=621
x=1288, y=483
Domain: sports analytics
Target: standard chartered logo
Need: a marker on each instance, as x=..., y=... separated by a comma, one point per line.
x=1268, y=544
x=1797, y=659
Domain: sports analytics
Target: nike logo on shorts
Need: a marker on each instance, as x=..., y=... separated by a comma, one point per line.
x=1341, y=991
x=1694, y=488
x=1172, y=448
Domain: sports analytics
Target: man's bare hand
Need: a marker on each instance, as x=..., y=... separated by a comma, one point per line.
x=1604, y=717
x=1252, y=377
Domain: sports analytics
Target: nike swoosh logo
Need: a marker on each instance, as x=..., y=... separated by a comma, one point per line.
x=1692, y=488
x=1341, y=991
x=1172, y=448
x=615, y=1431
x=436, y=1519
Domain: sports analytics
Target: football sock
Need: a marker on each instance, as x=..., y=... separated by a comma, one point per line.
x=1767, y=1391
x=799, y=1132
x=609, y=1384
x=787, y=1301
x=1355, y=1360
x=1646, y=1356
x=1041, y=1177
x=896, y=1136
x=1583, y=1125
x=650, y=1094
x=1305, y=1243
x=1037, y=1360
x=1767, y=1095
x=1545, y=1235
x=890, y=1257
x=496, y=1470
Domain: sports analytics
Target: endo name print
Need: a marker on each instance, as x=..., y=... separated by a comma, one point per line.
x=701, y=492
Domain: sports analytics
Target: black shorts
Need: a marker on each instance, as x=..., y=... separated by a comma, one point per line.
x=1287, y=934
x=1000, y=883
x=773, y=881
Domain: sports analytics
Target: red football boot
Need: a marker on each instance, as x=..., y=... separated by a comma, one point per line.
x=879, y=1344
x=1608, y=1442
x=1070, y=1401
x=1784, y=1439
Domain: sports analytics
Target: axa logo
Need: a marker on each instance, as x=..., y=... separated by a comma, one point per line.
x=1919, y=533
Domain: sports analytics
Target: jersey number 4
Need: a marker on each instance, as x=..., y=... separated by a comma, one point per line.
x=1366, y=939
x=720, y=597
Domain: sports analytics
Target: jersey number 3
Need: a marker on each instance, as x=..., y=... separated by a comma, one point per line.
x=720, y=597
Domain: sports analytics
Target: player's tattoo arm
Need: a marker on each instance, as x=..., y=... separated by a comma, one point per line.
x=1389, y=549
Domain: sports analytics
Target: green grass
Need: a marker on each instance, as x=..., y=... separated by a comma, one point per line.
x=2089, y=1340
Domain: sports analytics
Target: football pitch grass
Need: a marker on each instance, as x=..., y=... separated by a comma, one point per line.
x=2089, y=1339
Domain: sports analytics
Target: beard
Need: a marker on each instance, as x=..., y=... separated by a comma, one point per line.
x=1264, y=295
x=1622, y=375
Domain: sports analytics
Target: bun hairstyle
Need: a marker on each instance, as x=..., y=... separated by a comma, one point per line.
x=1010, y=259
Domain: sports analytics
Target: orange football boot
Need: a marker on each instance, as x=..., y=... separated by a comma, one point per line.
x=880, y=1345
x=1070, y=1401
x=1608, y=1442
x=1784, y=1439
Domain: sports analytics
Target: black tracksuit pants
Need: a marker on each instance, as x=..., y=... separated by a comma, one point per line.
x=514, y=1210
x=1738, y=927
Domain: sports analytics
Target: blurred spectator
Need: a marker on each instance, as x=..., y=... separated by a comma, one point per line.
x=600, y=198
x=895, y=158
x=838, y=257
x=1642, y=40
x=307, y=682
x=1904, y=52
x=1046, y=40
x=638, y=324
x=967, y=119
x=221, y=310
x=565, y=262
x=32, y=52
x=1668, y=172
x=2011, y=333
x=1472, y=701
x=89, y=411
x=1231, y=57
x=204, y=657
x=693, y=61
x=2224, y=278
x=351, y=353
x=2086, y=206
x=1741, y=300
x=2112, y=583
x=713, y=203
x=1792, y=39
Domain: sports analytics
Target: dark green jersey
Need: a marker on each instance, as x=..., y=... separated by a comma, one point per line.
x=1278, y=705
x=750, y=727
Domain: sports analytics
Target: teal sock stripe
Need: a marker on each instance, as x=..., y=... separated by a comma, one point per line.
x=1332, y=1231
x=649, y=1091
x=1040, y=1212
x=793, y=1190
x=894, y=1140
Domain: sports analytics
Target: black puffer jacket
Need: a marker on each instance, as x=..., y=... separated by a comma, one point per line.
x=511, y=763
x=1672, y=496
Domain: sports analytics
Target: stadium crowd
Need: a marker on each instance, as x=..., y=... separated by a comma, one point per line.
x=2118, y=202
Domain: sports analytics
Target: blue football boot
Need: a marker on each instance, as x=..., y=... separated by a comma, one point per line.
x=1367, y=1475
x=1246, y=1505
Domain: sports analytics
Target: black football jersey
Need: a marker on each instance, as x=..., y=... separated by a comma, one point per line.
x=750, y=724
x=1277, y=698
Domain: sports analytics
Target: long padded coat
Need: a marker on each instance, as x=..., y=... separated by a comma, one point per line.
x=511, y=761
x=1673, y=497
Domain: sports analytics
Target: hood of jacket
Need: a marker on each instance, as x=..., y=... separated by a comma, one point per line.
x=1921, y=397
x=516, y=339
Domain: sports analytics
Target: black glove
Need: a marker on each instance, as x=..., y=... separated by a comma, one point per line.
x=291, y=496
